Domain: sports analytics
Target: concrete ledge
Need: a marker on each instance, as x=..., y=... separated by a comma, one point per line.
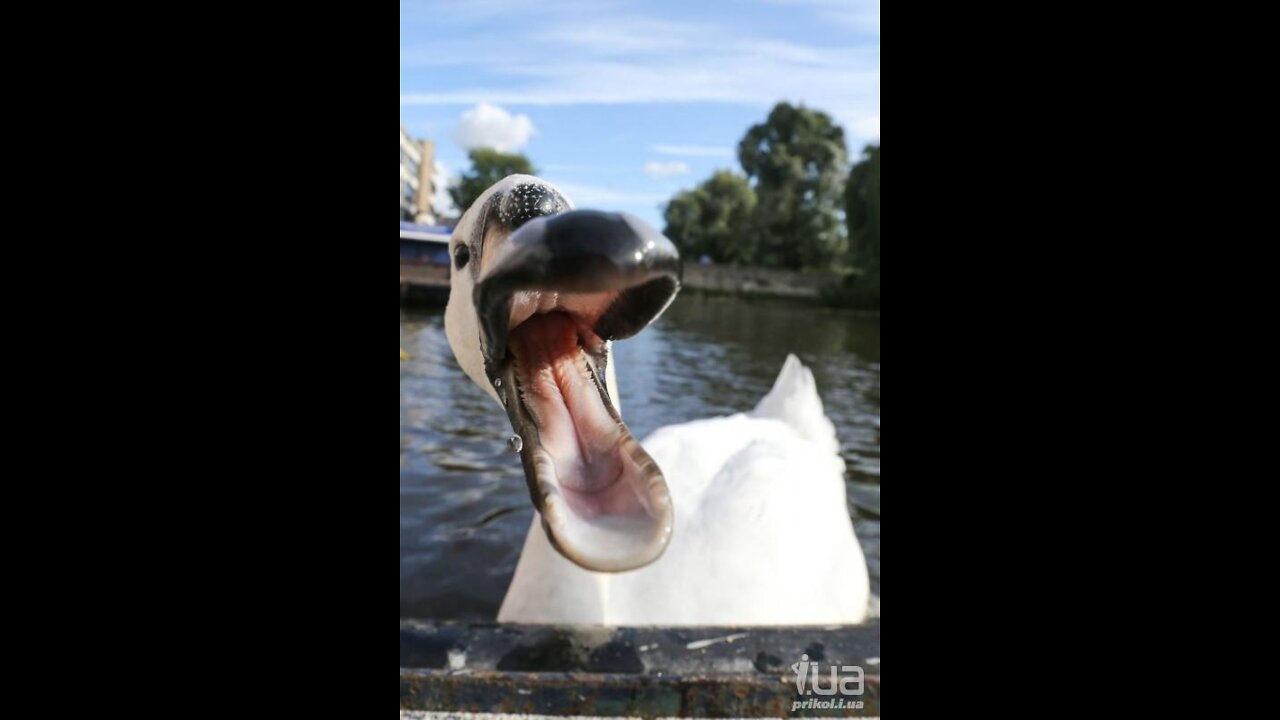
x=715, y=672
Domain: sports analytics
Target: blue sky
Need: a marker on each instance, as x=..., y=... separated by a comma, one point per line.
x=623, y=103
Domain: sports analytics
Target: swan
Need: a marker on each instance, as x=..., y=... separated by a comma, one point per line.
x=732, y=521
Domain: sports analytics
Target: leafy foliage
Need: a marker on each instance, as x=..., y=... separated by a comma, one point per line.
x=487, y=167
x=714, y=220
x=796, y=161
x=862, y=208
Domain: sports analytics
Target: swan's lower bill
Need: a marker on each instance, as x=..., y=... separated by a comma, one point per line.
x=605, y=504
x=550, y=300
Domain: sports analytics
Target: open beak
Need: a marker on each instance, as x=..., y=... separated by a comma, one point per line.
x=550, y=302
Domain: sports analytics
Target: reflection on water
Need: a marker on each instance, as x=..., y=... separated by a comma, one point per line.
x=464, y=507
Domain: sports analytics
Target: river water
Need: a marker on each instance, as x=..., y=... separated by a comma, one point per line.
x=464, y=506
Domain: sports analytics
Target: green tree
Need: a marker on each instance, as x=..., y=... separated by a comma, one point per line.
x=796, y=160
x=487, y=167
x=714, y=219
x=862, y=209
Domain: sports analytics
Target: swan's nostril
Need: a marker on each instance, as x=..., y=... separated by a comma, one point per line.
x=527, y=202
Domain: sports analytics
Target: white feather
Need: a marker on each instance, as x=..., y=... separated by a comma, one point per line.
x=762, y=537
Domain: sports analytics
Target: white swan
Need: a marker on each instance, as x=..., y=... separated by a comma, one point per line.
x=735, y=521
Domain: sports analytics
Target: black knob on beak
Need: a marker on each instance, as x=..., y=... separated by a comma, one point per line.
x=526, y=202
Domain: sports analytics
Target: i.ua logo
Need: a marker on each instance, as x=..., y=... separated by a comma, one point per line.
x=849, y=680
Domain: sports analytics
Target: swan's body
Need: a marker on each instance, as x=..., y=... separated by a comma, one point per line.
x=733, y=521
x=762, y=533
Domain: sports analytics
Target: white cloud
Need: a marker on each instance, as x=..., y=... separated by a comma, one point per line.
x=665, y=169
x=752, y=75
x=586, y=52
x=591, y=55
x=589, y=196
x=863, y=127
x=860, y=16
x=699, y=151
x=489, y=126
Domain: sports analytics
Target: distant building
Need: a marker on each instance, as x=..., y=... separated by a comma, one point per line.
x=417, y=179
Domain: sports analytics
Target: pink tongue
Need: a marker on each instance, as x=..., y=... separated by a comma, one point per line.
x=577, y=430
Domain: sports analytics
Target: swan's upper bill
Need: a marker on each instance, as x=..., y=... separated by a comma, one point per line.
x=539, y=291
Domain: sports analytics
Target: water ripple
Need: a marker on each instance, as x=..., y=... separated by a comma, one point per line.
x=464, y=506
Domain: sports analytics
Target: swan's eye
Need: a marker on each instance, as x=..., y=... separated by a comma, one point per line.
x=461, y=256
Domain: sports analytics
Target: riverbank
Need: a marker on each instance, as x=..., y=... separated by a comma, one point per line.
x=424, y=284
x=827, y=288
x=760, y=282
